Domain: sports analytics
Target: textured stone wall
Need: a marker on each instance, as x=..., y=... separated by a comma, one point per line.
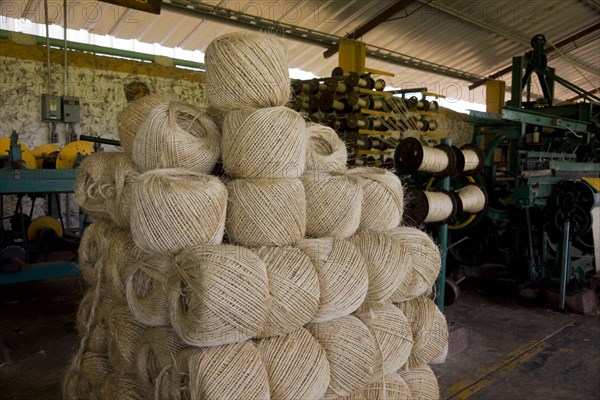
x=22, y=82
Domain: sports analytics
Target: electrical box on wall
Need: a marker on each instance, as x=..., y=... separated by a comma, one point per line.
x=51, y=108
x=70, y=109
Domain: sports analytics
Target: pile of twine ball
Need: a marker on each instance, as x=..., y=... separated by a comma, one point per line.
x=280, y=274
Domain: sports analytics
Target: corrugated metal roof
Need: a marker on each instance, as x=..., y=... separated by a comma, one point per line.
x=476, y=36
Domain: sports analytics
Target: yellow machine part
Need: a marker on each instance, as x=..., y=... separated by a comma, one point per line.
x=593, y=182
x=41, y=223
x=43, y=151
x=68, y=155
x=27, y=155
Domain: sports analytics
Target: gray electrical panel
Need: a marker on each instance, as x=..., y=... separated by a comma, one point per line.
x=70, y=109
x=51, y=108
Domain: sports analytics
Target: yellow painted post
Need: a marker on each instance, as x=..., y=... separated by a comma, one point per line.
x=352, y=54
x=494, y=96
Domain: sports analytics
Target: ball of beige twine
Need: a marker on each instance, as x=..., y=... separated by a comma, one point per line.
x=393, y=337
x=119, y=386
x=218, y=295
x=126, y=174
x=265, y=143
x=97, y=337
x=131, y=117
x=297, y=366
x=383, y=199
x=125, y=334
x=342, y=275
x=173, y=209
x=266, y=212
x=325, y=151
x=121, y=250
x=293, y=287
x=429, y=329
x=247, y=69
x=217, y=114
x=392, y=387
x=333, y=204
x=83, y=379
x=387, y=264
x=422, y=382
x=146, y=289
x=233, y=371
x=93, y=247
x=95, y=183
x=157, y=350
x=350, y=349
x=177, y=135
x=424, y=257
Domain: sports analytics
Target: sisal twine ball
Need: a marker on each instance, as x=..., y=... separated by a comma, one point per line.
x=218, y=295
x=96, y=329
x=95, y=183
x=325, y=151
x=124, y=387
x=247, y=69
x=93, y=248
x=173, y=209
x=146, y=289
x=350, y=350
x=157, y=350
x=422, y=382
x=296, y=365
x=121, y=250
x=429, y=330
x=177, y=135
x=392, y=387
x=217, y=115
x=266, y=212
x=133, y=115
x=333, y=204
x=125, y=334
x=387, y=264
x=266, y=143
x=126, y=174
x=383, y=199
x=425, y=259
x=233, y=371
x=393, y=337
x=83, y=379
x=442, y=357
x=342, y=275
x=293, y=288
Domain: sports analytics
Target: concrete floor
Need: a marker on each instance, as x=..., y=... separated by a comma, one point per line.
x=516, y=351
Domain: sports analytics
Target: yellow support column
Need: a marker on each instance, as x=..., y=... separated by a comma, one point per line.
x=352, y=54
x=494, y=96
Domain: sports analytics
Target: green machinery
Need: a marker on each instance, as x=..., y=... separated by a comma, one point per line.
x=23, y=256
x=40, y=248
x=543, y=176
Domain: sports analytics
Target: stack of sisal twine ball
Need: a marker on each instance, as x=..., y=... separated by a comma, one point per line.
x=288, y=277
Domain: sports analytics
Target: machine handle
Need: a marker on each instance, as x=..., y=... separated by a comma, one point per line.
x=96, y=139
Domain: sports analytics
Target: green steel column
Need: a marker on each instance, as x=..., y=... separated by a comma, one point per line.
x=516, y=90
x=443, y=245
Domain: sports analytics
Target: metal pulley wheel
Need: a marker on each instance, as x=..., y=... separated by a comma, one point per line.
x=579, y=217
x=573, y=201
x=43, y=224
x=71, y=153
x=26, y=155
x=13, y=259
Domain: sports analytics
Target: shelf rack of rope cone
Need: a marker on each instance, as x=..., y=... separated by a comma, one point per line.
x=368, y=118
